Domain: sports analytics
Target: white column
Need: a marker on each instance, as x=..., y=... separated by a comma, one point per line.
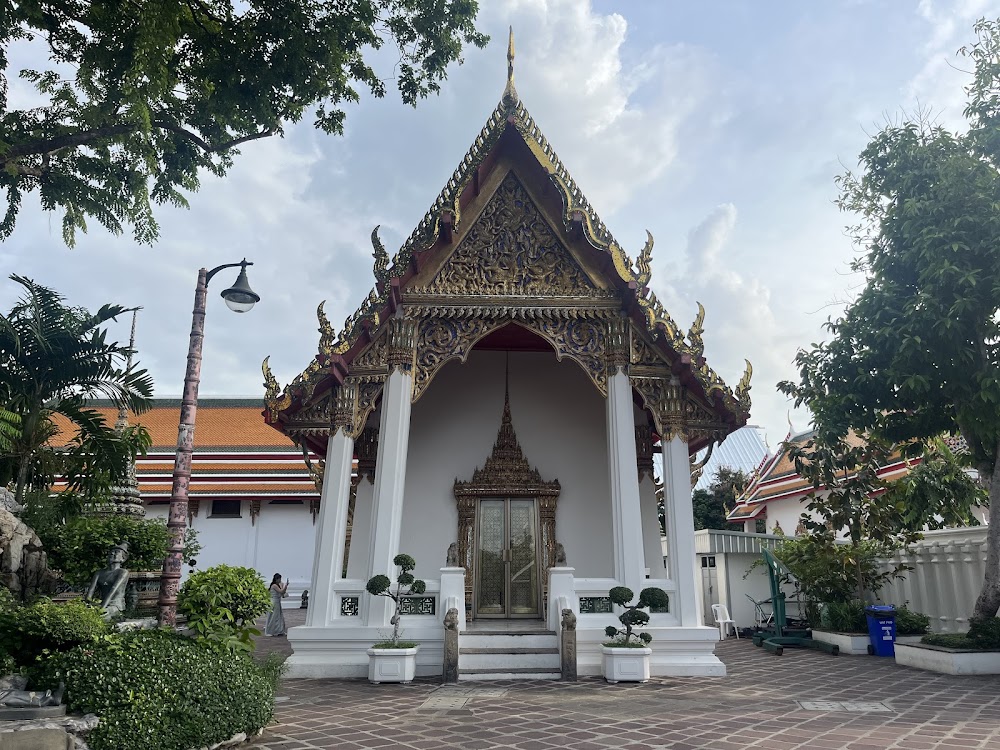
x=652, y=549
x=331, y=528
x=625, y=506
x=680, y=531
x=357, y=556
x=390, y=479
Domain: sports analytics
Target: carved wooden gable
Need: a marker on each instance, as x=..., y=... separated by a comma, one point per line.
x=511, y=251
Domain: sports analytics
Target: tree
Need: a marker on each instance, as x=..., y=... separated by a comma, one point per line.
x=711, y=506
x=917, y=353
x=162, y=90
x=53, y=358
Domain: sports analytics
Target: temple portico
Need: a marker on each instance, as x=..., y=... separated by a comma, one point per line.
x=502, y=390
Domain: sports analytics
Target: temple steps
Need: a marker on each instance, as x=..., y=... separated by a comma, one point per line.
x=530, y=654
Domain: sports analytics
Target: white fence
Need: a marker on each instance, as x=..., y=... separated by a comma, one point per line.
x=948, y=567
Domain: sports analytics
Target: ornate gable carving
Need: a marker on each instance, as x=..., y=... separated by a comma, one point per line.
x=511, y=251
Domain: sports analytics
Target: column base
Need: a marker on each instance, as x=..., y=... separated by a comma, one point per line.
x=677, y=652
x=342, y=651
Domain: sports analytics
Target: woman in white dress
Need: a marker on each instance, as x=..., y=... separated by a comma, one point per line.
x=275, y=624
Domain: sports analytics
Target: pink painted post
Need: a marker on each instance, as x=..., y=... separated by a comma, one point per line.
x=177, y=523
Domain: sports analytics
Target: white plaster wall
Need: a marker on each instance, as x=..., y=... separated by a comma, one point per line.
x=651, y=545
x=281, y=541
x=285, y=539
x=559, y=419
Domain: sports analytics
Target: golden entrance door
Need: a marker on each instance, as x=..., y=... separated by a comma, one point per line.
x=506, y=557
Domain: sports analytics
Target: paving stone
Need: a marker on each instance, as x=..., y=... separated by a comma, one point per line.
x=759, y=705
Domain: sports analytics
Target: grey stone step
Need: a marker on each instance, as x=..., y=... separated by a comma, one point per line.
x=514, y=672
x=508, y=650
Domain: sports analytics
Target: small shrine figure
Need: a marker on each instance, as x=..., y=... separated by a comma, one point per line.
x=14, y=695
x=451, y=558
x=108, y=585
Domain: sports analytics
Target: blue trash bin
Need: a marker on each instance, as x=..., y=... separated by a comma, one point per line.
x=882, y=628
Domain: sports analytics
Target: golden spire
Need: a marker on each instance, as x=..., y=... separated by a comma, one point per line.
x=510, y=93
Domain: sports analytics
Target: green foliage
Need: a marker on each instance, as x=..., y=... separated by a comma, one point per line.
x=53, y=359
x=909, y=622
x=156, y=690
x=915, y=355
x=983, y=635
x=221, y=604
x=380, y=585
x=712, y=505
x=985, y=632
x=80, y=547
x=633, y=617
x=938, y=492
x=828, y=572
x=844, y=617
x=950, y=640
x=164, y=90
x=29, y=632
x=395, y=644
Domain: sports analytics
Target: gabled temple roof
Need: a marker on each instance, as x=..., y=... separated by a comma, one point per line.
x=510, y=128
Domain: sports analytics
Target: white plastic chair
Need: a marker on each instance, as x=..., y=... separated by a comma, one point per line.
x=721, y=614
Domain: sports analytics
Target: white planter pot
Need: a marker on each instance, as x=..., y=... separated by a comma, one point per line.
x=947, y=660
x=392, y=664
x=625, y=664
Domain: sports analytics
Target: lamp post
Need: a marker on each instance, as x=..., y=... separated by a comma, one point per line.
x=239, y=298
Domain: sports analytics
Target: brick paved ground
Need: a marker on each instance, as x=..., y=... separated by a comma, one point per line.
x=755, y=706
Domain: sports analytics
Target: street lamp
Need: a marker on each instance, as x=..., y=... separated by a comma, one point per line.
x=239, y=298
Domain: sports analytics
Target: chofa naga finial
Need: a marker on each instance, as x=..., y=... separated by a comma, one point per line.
x=510, y=93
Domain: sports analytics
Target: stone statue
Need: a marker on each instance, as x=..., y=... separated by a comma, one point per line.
x=305, y=599
x=451, y=619
x=568, y=620
x=108, y=585
x=560, y=556
x=451, y=559
x=14, y=695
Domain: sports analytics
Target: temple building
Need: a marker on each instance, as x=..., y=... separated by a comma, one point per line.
x=503, y=388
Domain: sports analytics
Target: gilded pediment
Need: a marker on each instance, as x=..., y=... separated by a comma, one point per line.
x=511, y=250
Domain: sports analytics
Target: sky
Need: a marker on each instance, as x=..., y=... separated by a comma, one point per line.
x=720, y=127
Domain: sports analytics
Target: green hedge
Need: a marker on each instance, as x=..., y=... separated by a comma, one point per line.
x=844, y=617
x=156, y=690
x=221, y=604
x=983, y=635
x=29, y=632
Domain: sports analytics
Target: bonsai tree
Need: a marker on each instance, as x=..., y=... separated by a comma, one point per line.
x=633, y=616
x=380, y=585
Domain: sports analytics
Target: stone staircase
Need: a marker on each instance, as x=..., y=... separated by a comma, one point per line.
x=512, y=651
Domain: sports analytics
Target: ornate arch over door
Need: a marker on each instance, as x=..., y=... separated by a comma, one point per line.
x=506, y=475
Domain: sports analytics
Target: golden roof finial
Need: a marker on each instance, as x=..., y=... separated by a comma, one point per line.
x=510, y=93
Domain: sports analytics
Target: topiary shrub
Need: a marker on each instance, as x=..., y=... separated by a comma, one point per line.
x=157, y=690
x=380, y=585
x=221, y=604
x=909, y=622
x=633, y=616
x=27, y=633
x=844, y=617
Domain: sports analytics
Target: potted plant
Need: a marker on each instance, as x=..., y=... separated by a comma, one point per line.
x=393, y=660
x=626, y=659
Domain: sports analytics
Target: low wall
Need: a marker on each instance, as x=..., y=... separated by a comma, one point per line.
x=948, y=567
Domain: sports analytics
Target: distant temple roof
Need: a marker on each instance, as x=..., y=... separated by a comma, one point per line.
x=777, y=479
x=236, y=455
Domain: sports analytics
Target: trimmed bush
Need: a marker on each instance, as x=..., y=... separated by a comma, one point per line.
x=633, y=617
x=221, y=604
x=844, y=617
x=27, y=633
x=156, y=690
